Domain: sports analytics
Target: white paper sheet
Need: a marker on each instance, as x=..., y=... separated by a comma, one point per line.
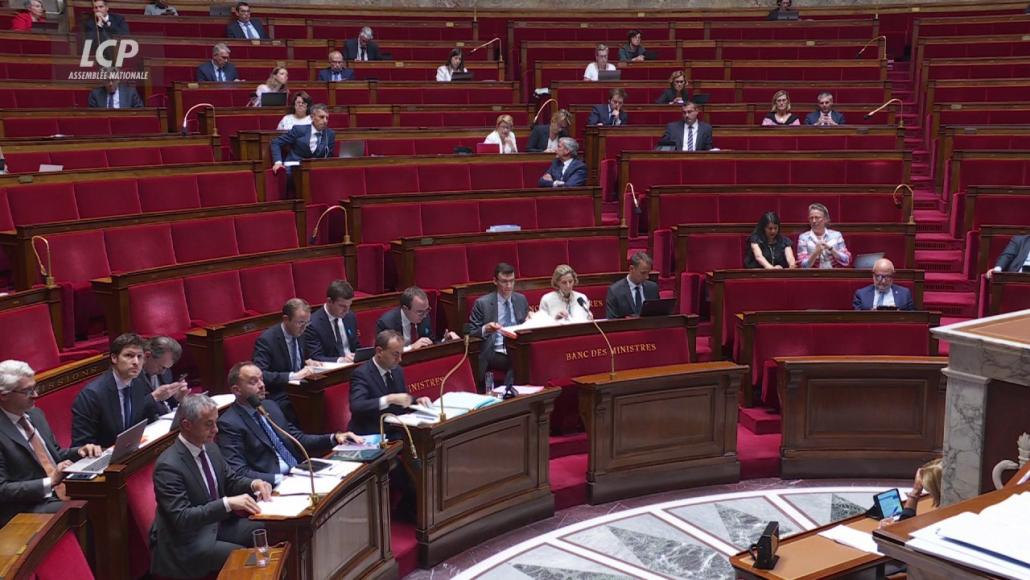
x=298, y=485
x=285, y=506
x=852, y=538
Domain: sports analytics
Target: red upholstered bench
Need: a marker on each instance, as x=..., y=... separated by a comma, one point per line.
x=37, y=315
x=1006, y=292
x=85, y=157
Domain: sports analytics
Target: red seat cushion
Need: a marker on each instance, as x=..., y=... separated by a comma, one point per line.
x=312, y=277
x=197, y=240
x=336, y=413
x=139, y=247
x=229, y=188
x=134, y=157
x=264, y=232
x=450, y=218
x=169, y=193
x=267, y=288
x=443, y=267
x=215, y=298
x=142, y=505
x=159, y=308
x=107, y=198
x=64, y=560
x=43, y=203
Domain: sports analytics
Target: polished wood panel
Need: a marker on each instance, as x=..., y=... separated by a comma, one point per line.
x=860, y=416
x=660, y=428
x=27, y=538
x=236, y=567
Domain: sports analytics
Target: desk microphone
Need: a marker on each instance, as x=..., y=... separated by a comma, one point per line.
x=484, y=45
x=415, y=461
x=611, y=351
x=186, y=117
x=901, y=104
x=868, y=44
x=541, y=109
x=464, y=357
x=255, y=402
x=318, y=224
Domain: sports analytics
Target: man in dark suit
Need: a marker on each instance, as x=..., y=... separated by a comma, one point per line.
x=825, y=116
x=103, y=25
x=31, y=463
x=196, y=525
x=160, y=354
x=378, y=387
x=281, y=355
x=114, y=94
x=337, y=70
x=565, y=170
x=314, y=141
x=492, y=312
x=883, y=293
x=1015, y=257
x=332, y=335
x=218, y=69
x=411, y=320
x=250, y=445
x=610, y=114
x=626, y=296
x=362, y=47
x=689, y=134
x=244, y=26
x=117, y=399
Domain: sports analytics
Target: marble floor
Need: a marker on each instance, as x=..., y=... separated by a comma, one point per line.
x=681, y=534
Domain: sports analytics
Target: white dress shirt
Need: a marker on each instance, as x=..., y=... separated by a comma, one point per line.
x=507, y=145
x=590, y=73
x=883, y=298
x=693, y=136
x=337, y=323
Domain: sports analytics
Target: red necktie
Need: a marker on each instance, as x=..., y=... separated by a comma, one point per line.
x=414, y=333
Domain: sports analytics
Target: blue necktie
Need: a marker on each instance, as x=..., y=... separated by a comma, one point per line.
x=110, y=100
x=277, y=443
x=126, y=408
x=506, y=320
x=295, y=354
x=638, y=299
x=690, y=138
x=221, y=76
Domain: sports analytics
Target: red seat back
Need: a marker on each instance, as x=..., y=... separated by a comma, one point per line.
x=159, y=308
x=196, y=240
x=267, y=288
x=264, y=232
x=139, y=247
x=142, y=505
x=34, y=342
x=214, y=298
x=57, y=406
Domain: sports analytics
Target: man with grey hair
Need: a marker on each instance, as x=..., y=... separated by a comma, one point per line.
x=302, y=142
x=218, y=69
x=196, y=525
x=283, y=357
x=31, y=462
x=565, y=170
x=362, y=47
x=160, y=354
x=825, y=116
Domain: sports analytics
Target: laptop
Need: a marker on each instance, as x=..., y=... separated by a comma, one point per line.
x=609, y=75
x=364, y=353
x=867, y=261
x=273, y=100
x=660, y=307
x=127, y=442
x=348, y=149
x=700, y=98
x=461, y=76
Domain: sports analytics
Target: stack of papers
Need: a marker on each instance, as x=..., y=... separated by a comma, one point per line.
x=332, y=470
x=286, y=506
x=852, y=538
x=520, y=389
x=301, y=485
x=454, y=404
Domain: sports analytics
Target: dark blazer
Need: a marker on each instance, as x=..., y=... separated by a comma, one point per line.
x=326, y=75
x=206, y=72
x=865, y=298
x=273, y=358
x=1014, y=255
x=485, y=310
x=320, y=340
x=186, y=521
x=391, y=319
x=116, y=26
x=21, y=475
x=165, y=378
x=619, y=303
x=539, y=135
x=602, y=115
x=128, y=98
x=234, y=30
x=350, y=50
x=575, y=176
x=247, y=449
x=674, y=133
x=669, y=95
x=97, y=414
x=297, y=141
x=813, y=117
x=366, y=387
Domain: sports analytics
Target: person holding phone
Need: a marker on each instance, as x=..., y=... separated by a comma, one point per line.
x=160, y=354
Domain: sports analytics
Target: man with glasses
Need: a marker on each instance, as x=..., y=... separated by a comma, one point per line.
x=31, y=462
x=883, y=294
x=283, y=357
x=825, y=116
x=411, y=320
x=337, y=70
x=492, y=312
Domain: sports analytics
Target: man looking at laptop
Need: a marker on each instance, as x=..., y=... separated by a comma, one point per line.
x=626, y=297
x=883, y=293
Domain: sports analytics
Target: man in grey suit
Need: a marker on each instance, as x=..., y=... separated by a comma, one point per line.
x=195, y=525
x=1015, y=257
x=626, y=296
x=31, y=462
x=689, y=134
x=491, y=313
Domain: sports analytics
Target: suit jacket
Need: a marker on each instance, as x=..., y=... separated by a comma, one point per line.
x=297, y=141
x=391, y=319
x=350, y=50
x=273, y=358
x=206, y=72
x=669, y=95
x=21, y=475
x=619, y=302
x=128, y=98
x=866, y=297
x=485, y=310
x=575, y=176
x=165, y=378
x=234, y=30
x=116, y=26
x=1014, y=255
x=674, y=133
x=320, y=340
x=602, y=115
x=539, y=135
x=366, y=387
x=813, y=117
x=97, y=414
x=247, y=449
x=186, y=520
x=326, y=75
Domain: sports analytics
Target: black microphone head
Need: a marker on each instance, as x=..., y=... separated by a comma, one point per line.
x=314, y=238
x=254, y=401
x=637, y=210
x=581, y=301
x=868, y=115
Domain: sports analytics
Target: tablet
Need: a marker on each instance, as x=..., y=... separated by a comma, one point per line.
x=888, y=503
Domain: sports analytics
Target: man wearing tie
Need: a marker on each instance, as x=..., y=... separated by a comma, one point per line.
x=411, y=320
x=565, y=170
x=314, y=141
x=627, y=296
x=113, y=94
x=883, y=293
x=336, y=71
x=160, y=354
x=118, y=399
x=689, y=134
x=281, y=355
x=610, y=114
x=492, y=312
x=332, y=335
x=378, y=386
x=218, y=69
x=244, y=27
x=103, y=25
x=362, y=48
x=31, y=463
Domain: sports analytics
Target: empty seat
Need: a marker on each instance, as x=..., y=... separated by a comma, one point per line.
x=159, y=308
x=139, y=247
x=196, y=240
x=215, y=298
x=173, y=192
x=312, y=277
x=267, y=288
x=107, y=198
x=264, y=232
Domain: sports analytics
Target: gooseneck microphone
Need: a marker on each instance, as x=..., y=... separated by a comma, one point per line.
x=901, y=104
x=318, y=224
x=870, y=43
x=464, y=357
x=186, y=117
x=48, y=271
x=611, y=351
x=415, y=461
x=255, y=402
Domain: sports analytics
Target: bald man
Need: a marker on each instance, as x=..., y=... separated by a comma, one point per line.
x=883, y=293
x=337, y=70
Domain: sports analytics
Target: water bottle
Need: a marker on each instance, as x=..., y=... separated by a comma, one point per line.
x=488, y=381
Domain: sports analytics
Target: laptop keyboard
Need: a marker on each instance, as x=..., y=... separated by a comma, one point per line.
x=100, y=464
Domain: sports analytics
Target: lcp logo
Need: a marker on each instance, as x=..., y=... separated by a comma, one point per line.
x=126, y=49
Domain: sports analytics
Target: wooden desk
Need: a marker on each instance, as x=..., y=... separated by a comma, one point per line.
x=808, y=556
x=236, y=567
x=660, y=428
x=482, y=473
x=27, y=538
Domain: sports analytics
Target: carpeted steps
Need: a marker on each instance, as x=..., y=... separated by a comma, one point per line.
x=953, y=304
x=759, y=420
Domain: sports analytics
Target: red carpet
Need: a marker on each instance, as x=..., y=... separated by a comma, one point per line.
x=405, y=548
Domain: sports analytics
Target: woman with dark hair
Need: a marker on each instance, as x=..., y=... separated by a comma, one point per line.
x=455, y=64
x=769, y=248
x=298, y=113
x=633, y=51
x=678, y=91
